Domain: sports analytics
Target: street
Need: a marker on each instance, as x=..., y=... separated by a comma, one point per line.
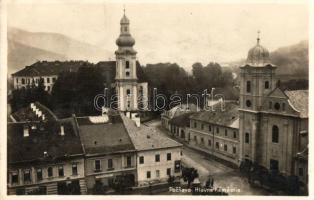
x=225, y=177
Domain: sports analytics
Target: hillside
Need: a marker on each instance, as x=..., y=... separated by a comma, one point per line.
x=49, y=46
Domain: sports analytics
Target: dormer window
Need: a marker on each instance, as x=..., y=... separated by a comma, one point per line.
x=277, y=106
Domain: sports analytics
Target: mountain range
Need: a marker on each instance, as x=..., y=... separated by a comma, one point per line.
x=25, y=48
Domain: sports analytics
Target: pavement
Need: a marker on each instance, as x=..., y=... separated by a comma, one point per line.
x=225, y=177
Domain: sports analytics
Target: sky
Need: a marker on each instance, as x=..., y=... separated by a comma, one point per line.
x=184, y=33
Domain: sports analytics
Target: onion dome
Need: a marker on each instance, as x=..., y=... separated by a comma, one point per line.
x=258, y=56
x=125, y=39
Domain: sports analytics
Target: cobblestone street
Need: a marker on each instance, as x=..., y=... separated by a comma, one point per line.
x=224, y=177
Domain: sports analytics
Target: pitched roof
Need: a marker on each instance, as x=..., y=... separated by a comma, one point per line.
x=145, y=138
x=45, y=68
x=43, y=136
x=27, y=114
x=181, y=120
x=105, y=137
x=299, y=100
x=229, y=116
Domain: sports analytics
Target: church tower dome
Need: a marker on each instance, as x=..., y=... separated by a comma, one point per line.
x=258, y=56
x=125, y=39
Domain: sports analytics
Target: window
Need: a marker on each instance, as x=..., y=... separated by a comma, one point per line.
x=48, y=80
x=157, y=173
x=301, y=173
x=74, y=169
x=209, y=143
x=225, y=147
x=127, y=74
x=168, y=156
x=209, y=128
x=48, y=88
x=27, y=175
x=248, y=86
x=17, y=80
x=97, y=165
x=15, y=177
x=157, y=158
x=234, y=134
x=39, y=174
x=125, y=29
x=247, y=138
x=217, y=145
x=127, y=64
x=217, y=130
x=283, y=106
x=128, y=161
x=128, y=92
x=110, y=164
x=195, y=125
x=141, y=159
x=23, y=81
x=270, y=105
x=53, y=80
x=202, y=126
x=275, y=134
x=277, y=106
x=248, y=103
x=234, y=150
x=148, y=174
x=274, y=165
x=266, y=84
x=226, y=132
x=169, y=171
x=50, y=172
x=60, y=171
x=202, y=140
x=195, y=137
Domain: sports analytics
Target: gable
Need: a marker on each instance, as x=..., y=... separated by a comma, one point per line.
x=277, y=93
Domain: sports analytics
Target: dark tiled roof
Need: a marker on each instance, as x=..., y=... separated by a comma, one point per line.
x=145, y=138
x=227, y=117
x=299, y=100
x=181, y=120
x=46, y=137
x=45, y=68
x=27, y=114
x=104, y=138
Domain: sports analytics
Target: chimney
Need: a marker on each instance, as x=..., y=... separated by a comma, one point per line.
x=25, y=131
x=62, y=130
x=136, y=118
x=43, y=117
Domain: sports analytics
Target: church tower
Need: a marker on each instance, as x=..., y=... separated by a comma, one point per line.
x=257, y=79
x=126, y=79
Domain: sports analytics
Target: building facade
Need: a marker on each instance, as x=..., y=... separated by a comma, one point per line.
x=45, y=157
x=273, y=122
x=129, y=92
x=217, y=132
x=157, y=156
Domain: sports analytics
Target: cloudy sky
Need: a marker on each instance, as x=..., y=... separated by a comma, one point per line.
x=182, y=33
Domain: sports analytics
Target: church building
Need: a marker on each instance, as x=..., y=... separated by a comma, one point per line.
x=273, y=123
x=132, y=95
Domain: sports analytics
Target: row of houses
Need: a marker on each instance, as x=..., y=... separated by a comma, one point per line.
x=80, y=154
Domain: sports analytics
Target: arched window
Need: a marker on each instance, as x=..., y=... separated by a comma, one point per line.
x=248, y=86
x=128, y=92
x=50, y=172
x=248, y=103
x=247, y=138
x=266, y=84
x=127, y=74
x=275, y=134
x=277, y=106
x=127, y=64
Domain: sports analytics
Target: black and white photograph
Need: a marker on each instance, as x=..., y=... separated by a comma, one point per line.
x=149, y=98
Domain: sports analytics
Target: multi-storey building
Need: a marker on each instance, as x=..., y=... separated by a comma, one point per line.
x=273, y=122
x=45, y=157
x=130, y=93
x=217, y=132
x=157, y=156
x=109, y=152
